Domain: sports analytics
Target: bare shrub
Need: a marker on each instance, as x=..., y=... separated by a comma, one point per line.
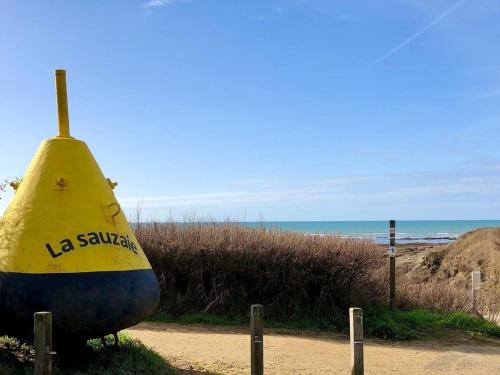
x=433, y=295
x=439, y=295
x=489, y=304
x=225, y=267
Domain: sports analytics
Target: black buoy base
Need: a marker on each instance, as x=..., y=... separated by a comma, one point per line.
x=87, y=304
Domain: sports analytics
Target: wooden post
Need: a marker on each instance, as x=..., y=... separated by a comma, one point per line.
x=356, y=330
x=476, y=285
x=43, y=343
x=392, y=264
x=257, y=339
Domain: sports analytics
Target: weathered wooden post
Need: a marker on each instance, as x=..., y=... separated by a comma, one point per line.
x=257, y=339
x=43, y=343
x=392, y=264
x=356, y=331
x=476, y=285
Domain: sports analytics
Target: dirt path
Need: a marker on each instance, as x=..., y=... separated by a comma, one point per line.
x=226, y=351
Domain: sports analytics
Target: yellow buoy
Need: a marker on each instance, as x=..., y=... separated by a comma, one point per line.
x=66, y=246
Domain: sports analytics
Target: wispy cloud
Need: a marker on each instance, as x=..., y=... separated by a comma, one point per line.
x=232, y=197
x=420, y=32
x=160, y=3
x=477, y=178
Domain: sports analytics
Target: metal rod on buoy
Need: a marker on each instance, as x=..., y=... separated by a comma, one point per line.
x=62, y=104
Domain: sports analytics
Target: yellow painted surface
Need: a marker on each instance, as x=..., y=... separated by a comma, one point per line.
x=62, y=200
x=64, y=216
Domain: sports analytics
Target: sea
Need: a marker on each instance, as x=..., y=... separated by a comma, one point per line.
x=407, y=231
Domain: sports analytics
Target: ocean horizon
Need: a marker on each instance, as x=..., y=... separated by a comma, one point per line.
x=407, y=231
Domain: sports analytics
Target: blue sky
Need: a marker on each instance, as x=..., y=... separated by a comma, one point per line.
x=274, y=110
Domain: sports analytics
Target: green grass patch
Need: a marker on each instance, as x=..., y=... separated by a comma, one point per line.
x=379, y=321
x=301, y=323
x=197, y=318
x=130, y=358
x=15, y=362
x=401, y=325
x=469, y=322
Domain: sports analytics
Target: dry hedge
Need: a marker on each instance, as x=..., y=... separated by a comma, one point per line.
x=225, y=267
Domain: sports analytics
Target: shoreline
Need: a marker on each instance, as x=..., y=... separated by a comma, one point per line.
x=399, y=241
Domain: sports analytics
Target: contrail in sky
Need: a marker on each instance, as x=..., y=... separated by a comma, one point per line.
x=423, y=30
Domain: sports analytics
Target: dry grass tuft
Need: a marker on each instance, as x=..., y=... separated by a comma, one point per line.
x=447, y=284
x=439, y=295
x=225, y=267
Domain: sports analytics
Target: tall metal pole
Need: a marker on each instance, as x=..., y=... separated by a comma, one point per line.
x=392, y=264
x=62, y=104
